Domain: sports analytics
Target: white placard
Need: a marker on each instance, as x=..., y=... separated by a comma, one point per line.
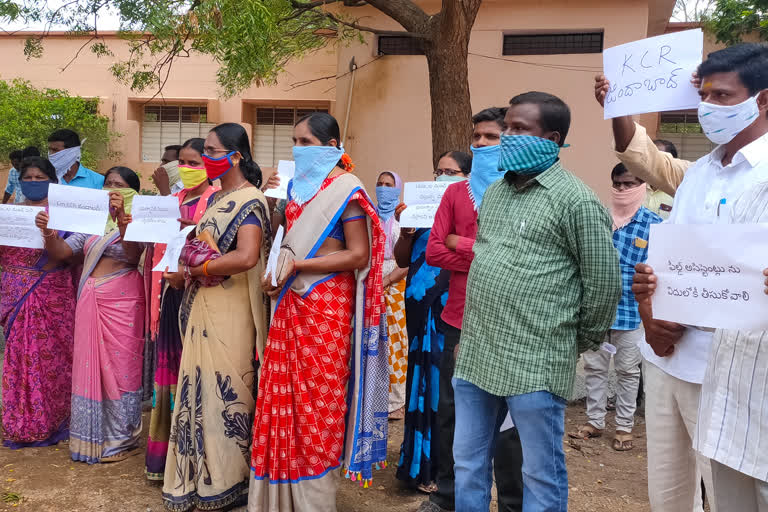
x=710, y=275
x=170, y=259
x=423, y=199
x=155, y=219
x=17, y=226
x=653, y=75
x=274, y=253
x=78, y=210
x=285, y=171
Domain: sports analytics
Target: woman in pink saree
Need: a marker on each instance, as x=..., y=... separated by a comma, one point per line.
x=37, y=310
x=109, y=331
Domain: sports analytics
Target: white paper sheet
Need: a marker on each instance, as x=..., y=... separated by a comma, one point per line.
x=155, y=219
x=285, y=170
x=17, y=226
x=710, y=275
x=654, y=74
x=423, y=199
x=274, y=252
x=170, y=259
x=79, y=210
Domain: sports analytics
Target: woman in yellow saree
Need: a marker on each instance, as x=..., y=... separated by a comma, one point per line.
x=324, y=382
x=223, y=320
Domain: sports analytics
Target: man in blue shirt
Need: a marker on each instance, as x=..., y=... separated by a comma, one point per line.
x=13, y=178
x=631, y=227
x=64, y=154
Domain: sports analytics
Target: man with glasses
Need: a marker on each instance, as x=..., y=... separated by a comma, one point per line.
x=450, y=247
x=631, y=227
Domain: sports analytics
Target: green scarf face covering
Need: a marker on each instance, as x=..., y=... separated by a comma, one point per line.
x=128, y=195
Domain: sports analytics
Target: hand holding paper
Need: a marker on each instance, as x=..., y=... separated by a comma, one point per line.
x=170, y=259
x=423, y=199
x=78, y=210
x=17, y=226
x=155, y=219
x=285, y=171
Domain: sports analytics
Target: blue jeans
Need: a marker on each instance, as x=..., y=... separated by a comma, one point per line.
x=539, y=418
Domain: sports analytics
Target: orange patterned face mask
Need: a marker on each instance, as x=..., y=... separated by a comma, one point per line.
x=346, y=160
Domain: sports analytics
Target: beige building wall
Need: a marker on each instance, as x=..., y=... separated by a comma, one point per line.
x=389, y=119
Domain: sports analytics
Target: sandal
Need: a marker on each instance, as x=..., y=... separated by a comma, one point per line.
x=623, y=441
x=427, y=489
x=586, y=432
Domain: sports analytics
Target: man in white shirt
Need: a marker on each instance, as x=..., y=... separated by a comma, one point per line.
x=733, y=113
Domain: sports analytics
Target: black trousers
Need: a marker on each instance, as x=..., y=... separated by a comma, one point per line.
x=508, y=460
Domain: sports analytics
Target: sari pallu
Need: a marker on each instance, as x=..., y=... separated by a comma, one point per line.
x=425, y=295
x=317, y=409
x=164, y=345
x=37, y=309
x=107, y=362
x=223, y=327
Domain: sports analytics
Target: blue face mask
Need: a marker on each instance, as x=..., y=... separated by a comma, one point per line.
x=313, y=165
x=35, y=190
x=450, y=179
x=526, y=154
x=485, y=170
x=387, y=199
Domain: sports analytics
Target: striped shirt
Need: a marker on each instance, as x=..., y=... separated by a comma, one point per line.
x=733, y=416
x=14, y=185
x=542, y=288
x=631, y=241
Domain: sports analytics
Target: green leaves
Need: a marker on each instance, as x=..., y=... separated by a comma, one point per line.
x=30, y=115
x=734, y=19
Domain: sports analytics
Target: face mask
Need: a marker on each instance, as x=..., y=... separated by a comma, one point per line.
x=485, y=170
x=387, y=199
x=313, y=165
x=445, y=178
x=218, y=167
x=35, y=190
x=721, y=123
x=625, y=203
x=128, y=195
x=192, y=176
x=63, y=160
x=526, y=154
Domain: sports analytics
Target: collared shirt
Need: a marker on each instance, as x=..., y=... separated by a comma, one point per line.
x=732, y=427
x=85, y=178
x=659, y=202
x=543, y=287
x=456, y=215
x=697, y=201
x=643, y=159
x=631, y=241
x=14, y=185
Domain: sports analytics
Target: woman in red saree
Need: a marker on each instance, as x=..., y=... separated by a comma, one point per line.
x=37, y=311
x=323, y=386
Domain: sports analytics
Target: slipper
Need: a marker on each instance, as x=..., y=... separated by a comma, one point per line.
x=427, y=489
x=586, y=432
x=622, y=441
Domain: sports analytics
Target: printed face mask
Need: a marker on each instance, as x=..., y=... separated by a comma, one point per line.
x=192, y=176
x=527, y=154
x=218, y=167
x=35, y=190
x=721, y=123
x=387, y=199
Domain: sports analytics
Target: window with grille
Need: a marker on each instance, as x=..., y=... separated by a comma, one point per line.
x=682, y=128
x=166, y=125
x=401, y=45
x=273, y=132
x=553, y=44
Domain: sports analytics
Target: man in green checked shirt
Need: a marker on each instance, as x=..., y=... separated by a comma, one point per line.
x=543, y=287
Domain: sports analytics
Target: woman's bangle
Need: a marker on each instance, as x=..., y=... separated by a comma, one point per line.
x=205, y=268
x=52, y=234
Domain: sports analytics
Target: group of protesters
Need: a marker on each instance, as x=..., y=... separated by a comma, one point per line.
x=273, y=372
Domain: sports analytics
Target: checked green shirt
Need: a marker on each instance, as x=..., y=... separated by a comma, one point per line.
x=543, y=287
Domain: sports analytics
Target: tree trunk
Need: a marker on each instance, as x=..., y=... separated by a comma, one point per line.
x=447, y=50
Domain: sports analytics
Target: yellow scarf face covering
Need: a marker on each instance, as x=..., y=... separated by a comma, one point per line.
x=128, y=195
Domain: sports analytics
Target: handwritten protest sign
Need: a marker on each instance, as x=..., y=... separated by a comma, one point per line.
x=710, y=275
x=653, y=75
x=170, y=259
x=79, y=210
x=285, y=170
x=17, y=226
x=422, y=198
x=155, y=219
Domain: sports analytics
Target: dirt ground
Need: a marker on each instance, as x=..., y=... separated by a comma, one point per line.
x=45, y=479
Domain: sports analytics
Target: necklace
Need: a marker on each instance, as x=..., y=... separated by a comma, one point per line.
x=220, y=194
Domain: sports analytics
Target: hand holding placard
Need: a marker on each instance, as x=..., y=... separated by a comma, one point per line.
x=653, y=75
x=155, y=219
x=78, y=210
x=423, y=198
x=17, y=226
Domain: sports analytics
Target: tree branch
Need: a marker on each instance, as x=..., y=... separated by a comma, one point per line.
x=372, y=30
x=405, y=12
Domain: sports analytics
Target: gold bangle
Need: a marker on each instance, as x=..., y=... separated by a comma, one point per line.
x=205, y=268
